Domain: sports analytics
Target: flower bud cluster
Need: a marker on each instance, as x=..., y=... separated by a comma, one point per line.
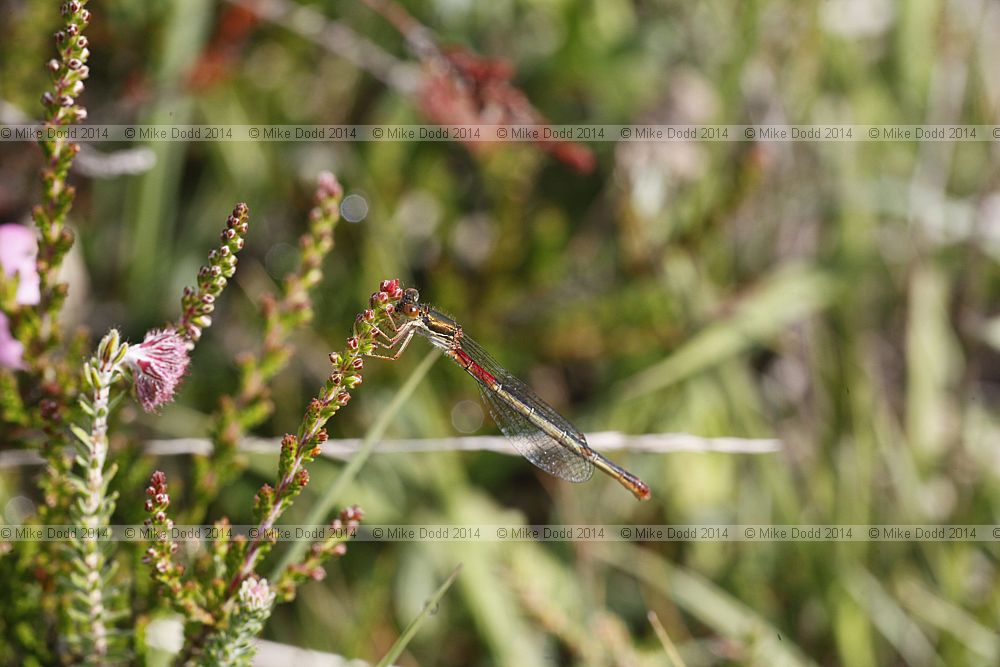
x=311, y=567
x=70, y=70
x=314, y=246
x=198, y=303
x=68, y=73
x=160, y=553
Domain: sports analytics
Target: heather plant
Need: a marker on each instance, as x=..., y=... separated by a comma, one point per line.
x=228, y=610
x=78, y=587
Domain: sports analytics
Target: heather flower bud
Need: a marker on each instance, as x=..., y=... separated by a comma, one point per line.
x=343, y=398
x=358, y=364
x=336, y=359
x=54, y=65
x=368, y=315
x=353, y=343
x=108, y=347
x=255, y=594
x=329, y=186
x=74, y=63
x=158, y=364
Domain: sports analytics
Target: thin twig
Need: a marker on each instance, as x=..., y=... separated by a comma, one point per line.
x=653, y=443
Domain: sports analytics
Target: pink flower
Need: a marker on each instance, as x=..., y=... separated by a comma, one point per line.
x=158, y=364
x=11, y=350
x=18, y=247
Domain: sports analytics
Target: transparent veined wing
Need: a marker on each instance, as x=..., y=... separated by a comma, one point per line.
x=527, y=438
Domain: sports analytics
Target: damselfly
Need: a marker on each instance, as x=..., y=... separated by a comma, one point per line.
x=536, y=430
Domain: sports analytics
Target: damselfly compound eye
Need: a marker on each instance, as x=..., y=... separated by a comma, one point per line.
x=410, y=310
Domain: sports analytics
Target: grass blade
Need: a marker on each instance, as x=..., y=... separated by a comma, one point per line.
x=789, y=295
x=430, y=607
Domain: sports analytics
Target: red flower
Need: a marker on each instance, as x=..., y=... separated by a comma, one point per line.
x=158, y=364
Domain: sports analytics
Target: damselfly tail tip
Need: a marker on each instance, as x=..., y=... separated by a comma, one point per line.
x=638, y=487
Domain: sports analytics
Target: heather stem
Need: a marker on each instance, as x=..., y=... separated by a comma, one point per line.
x=92, y=606
x=301, y=448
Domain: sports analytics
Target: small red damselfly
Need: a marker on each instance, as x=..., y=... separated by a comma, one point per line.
x=535, y=429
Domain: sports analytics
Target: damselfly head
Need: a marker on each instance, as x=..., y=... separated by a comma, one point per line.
x=410, y=303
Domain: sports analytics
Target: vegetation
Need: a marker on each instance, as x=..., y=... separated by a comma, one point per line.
x=838, y=296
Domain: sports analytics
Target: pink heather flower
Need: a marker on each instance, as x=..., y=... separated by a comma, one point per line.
x=18, y=247
x=11, y=350
x=158, y=363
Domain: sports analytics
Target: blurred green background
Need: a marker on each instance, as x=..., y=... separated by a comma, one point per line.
x=835, y=295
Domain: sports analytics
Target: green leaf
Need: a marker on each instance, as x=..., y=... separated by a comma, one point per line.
x=81, y=435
